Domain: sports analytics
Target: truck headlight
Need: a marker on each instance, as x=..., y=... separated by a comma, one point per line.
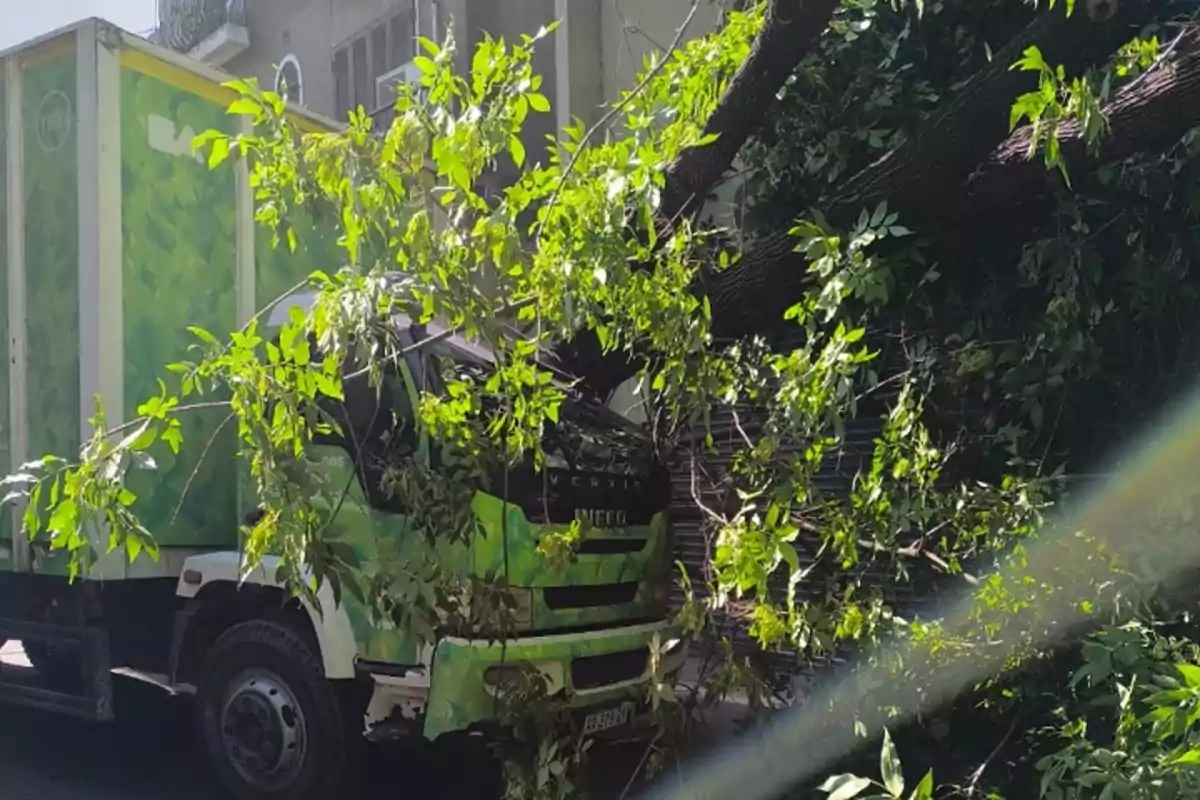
x=506, y=675
x=514, y=674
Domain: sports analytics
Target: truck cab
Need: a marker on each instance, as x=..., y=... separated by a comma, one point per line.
x=585, y=623
x=118, y=252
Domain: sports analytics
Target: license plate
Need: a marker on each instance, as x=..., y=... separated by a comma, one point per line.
x=607, y=719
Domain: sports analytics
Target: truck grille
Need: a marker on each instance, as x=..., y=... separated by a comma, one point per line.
x=610, y=547
x=591, y=672
x=561, y=496
x=612, y=594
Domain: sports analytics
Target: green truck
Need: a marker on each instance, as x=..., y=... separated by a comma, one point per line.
x=114, y=237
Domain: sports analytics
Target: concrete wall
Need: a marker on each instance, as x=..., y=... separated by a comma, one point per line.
x=633, y=29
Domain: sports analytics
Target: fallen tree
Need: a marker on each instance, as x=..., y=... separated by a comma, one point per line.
x=1148, y=115
x=789, y=29
x=920, y=179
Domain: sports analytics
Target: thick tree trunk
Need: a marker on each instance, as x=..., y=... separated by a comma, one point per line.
x=789, y=30
x=1148, y=115
x=916, y=177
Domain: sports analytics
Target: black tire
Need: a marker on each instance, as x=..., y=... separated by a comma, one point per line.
x=243, y=701
x=59, y=669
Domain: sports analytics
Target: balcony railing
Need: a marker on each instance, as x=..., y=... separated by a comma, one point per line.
x=213, y=31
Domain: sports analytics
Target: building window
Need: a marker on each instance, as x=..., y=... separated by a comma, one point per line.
x=341, y=83
x=359, y=62
x=289, y=81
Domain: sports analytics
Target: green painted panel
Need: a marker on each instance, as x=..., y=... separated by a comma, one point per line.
x=379, y=541
x=52, y=254
x=5, y=426
x=386, y=544
x=50, y=126
x=278, y=269
x=501, y=524
x=179, y=264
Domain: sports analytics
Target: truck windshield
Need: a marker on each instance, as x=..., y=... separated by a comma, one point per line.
x=589, y=435
x=475, y=361
x=588, y=446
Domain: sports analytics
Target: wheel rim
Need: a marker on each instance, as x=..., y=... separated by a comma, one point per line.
x=263, y=730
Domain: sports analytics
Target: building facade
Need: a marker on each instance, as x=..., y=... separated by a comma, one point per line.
x=335, y=55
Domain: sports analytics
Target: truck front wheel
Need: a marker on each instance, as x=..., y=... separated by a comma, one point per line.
x=272, y=723
x=59, y=670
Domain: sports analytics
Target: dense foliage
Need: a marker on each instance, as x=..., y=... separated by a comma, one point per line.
x=998, y=359
x=1051, y=330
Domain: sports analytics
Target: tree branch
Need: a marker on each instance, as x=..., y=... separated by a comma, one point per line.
x=977, y=775
x=1147, y=116
x=752, y=295
x=616, y=109
x=791, y=27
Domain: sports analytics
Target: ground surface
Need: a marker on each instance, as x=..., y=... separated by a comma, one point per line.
x=150, y=753
x=146, y=756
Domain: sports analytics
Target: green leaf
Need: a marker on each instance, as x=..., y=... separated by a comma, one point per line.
x=1031, y=60
x=429, y=46
x=244, y=106
x=538, y=102
x=889, y=766
x=201, y=139
x=1189, y=759
x=1190, y=673
x=517, y=149
x=844, y=787
x=173, y=436
x=203, y=335
x=242, y=85
x=218, y=152
x=924, y=789
x=789, y=555
x=64, y=518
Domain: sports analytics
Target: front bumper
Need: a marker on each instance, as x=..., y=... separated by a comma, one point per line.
x=591, y=669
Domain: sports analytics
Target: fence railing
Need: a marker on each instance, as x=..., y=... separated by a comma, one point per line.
x=183, y=24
